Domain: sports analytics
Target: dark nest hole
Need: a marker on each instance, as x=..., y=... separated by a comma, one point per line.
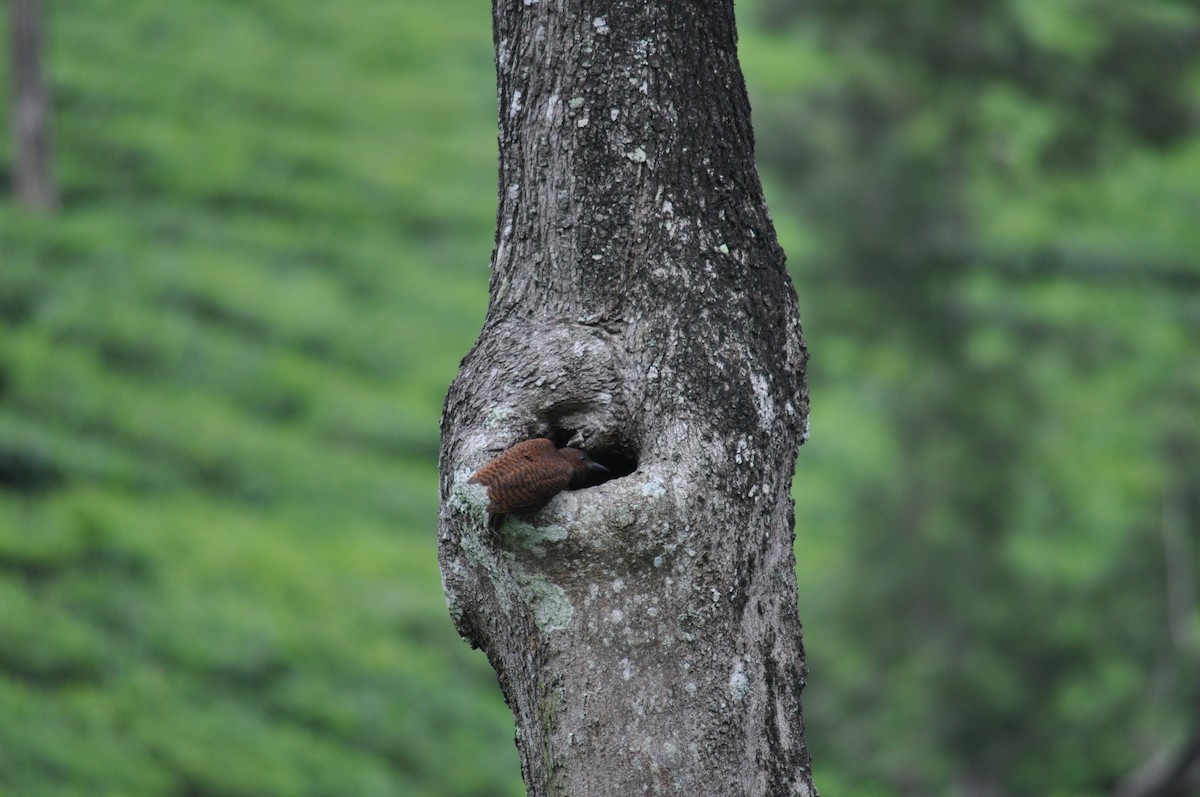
x=621, y=460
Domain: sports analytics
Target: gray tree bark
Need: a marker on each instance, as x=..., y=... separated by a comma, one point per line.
x=644, y=630
x=33, y=182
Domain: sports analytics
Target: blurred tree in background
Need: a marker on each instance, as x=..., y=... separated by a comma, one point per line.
x=221, y=369
x=33, y=182
x=999, y=204
x=221, y=372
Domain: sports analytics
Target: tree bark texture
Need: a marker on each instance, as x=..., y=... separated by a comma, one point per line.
x=33, y=182
x=644, y=630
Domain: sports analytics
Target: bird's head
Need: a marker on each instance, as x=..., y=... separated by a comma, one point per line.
x=581, y=463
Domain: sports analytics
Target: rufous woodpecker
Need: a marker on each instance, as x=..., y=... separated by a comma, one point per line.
x=525, y=477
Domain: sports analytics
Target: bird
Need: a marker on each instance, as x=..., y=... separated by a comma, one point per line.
x=526, y=476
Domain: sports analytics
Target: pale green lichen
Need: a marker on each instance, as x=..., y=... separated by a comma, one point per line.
x=548, y=603
x=488, y=561
x=470, y=499
x=552, y=611
x=739, y=683
x=497, y=416
x=452, y=602
x=653, y=489
x=690, y=623
x=530, y=537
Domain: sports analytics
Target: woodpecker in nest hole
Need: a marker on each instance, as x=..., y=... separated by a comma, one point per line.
x=525, y=477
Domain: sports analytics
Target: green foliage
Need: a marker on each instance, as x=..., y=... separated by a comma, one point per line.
x=1000, y=274
x=221, y=370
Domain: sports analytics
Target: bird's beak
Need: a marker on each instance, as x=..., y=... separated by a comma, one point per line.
x=596, y=466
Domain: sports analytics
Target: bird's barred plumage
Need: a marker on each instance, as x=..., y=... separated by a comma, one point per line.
x=525, y=477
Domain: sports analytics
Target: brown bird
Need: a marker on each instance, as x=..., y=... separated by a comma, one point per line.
x=525, y=477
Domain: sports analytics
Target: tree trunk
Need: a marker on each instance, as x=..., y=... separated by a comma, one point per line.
x=33, y=183
x=1175, y=775
x=644, y=630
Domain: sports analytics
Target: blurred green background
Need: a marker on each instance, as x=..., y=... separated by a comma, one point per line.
x=222, y=365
